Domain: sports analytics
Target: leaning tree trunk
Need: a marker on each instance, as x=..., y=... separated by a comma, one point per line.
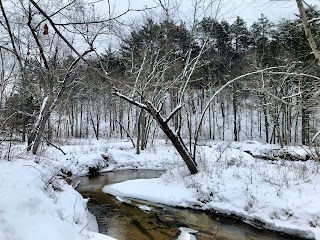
x=36, y=134
x=175, y=138
x=307, y=30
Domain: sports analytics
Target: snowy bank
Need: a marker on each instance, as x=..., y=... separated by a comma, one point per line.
x=277, y=195
x=280, y=195
x=35, y=204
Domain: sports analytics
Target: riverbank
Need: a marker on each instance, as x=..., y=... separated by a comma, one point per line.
x=279, y=195
x=124, y=218
x=36, y=202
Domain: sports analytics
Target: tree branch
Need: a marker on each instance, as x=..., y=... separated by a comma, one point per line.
x=105, y=20
x=215, y=94
x=130, y=100
x=307, y=30
x=40, y=47
x=128, y=134
x=53, y=145
x=57, y=30
x=173, y=113
x=66, y=77
x=15, y=51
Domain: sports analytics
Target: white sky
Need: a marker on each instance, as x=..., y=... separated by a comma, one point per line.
x=249, y=10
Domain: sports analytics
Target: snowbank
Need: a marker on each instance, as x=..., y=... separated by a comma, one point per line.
x=35, y=205
x=278, y=195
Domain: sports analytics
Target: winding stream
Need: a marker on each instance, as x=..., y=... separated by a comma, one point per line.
x=125, y=221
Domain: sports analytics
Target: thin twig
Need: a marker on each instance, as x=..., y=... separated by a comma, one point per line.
x=53, y=145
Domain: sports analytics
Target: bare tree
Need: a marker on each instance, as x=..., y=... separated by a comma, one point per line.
x=174, y=136
x=313, y=45
x=307, y=30
x=48, y=36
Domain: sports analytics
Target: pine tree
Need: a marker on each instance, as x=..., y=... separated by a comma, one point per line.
x=261, y=36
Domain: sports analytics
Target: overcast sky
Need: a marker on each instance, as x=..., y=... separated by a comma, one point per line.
x=249, y=10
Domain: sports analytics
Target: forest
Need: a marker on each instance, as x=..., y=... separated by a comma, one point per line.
x=171, y=64
x=86, y=89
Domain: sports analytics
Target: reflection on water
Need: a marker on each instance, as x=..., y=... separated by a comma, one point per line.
x=127, y=222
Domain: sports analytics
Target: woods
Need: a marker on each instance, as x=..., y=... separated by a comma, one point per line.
x=183, y=81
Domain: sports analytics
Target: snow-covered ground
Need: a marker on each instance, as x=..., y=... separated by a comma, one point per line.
x=278, y=195
x=36, y=203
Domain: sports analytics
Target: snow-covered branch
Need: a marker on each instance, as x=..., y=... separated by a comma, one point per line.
x=294, y=74
x=130, y=100
x=173, y=113
x=315, y=136
x=282, y=99
x=307, y=30
x=174, y=138
x=314, y=20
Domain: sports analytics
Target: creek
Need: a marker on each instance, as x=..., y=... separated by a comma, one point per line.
x=125, y=221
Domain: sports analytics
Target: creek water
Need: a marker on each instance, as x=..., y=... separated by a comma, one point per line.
x=125, y=221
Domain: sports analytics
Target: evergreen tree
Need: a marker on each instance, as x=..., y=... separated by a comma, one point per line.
x=20, y=111
x=262, y=33
x=215, y=60
x=163, y=45
x=240, y=46
x=240, y=37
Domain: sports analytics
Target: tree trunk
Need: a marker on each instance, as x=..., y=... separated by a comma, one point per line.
x=34, y=138
x=307, y=30
x=175, y=140
x=210, y=123
x=173, y=137
x=94, y=127
x=71, y=117
x=76, y=107
x=81, y=115
x=223, y=117
x=305, y=126
x=87, y=121
x=266, y=122
x=139, y=132
x=234, y=106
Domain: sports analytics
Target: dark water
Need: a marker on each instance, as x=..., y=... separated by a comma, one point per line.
x=125, y=221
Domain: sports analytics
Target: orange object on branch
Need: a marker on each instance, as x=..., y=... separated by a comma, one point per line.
x=46, y=29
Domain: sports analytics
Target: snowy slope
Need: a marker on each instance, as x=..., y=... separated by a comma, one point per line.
x=35, y=207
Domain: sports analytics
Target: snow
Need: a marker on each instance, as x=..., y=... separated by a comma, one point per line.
x=145, y=208
x=43, y=105
x=186, y=234
x=119, y=199
x=143, y=106
x=154, y=190
x=36, y=203
x=279, y=195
